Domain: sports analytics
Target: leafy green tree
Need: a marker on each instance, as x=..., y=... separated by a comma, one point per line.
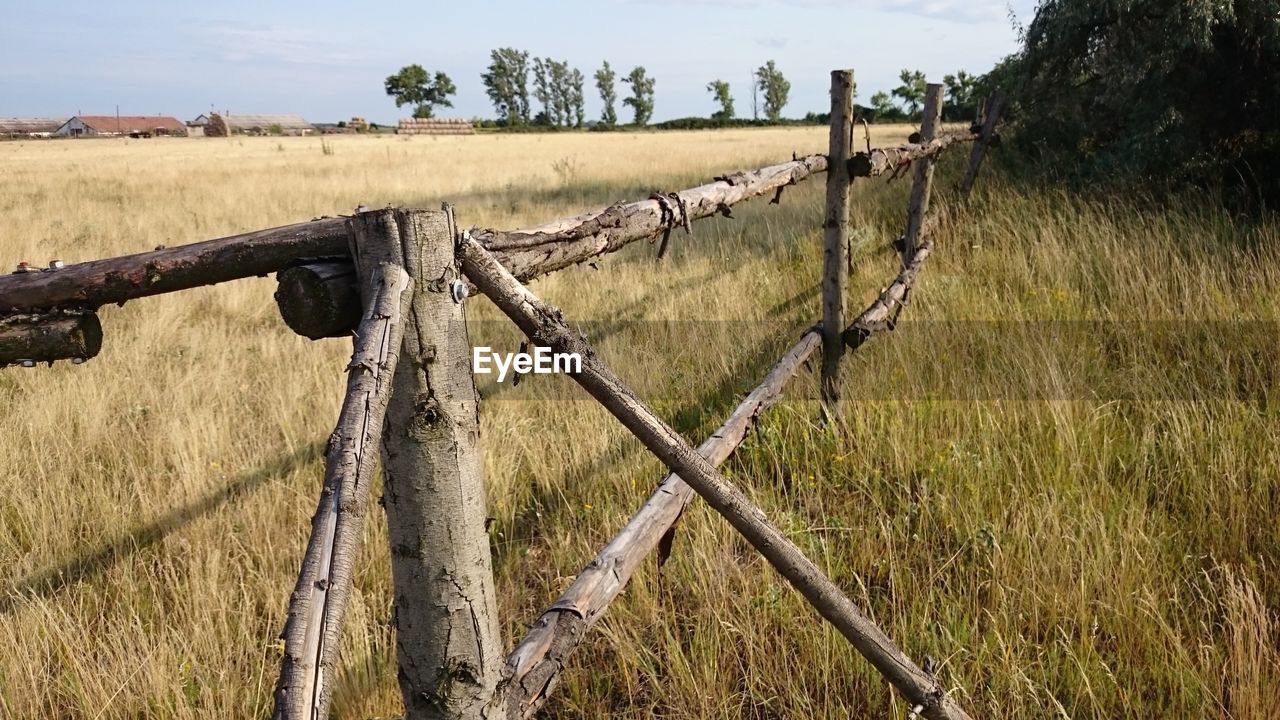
x=561, y=93
x=641, y=100
x=720, y=90
x=413, y=85
x=962, y=97
x=775, y=88
x=542, y=91
x=912, y=90
x=1154, y=92
x=576, y=99
x=507, y=84
x=608, y=94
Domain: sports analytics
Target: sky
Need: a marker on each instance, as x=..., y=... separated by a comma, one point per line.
x=327, y=59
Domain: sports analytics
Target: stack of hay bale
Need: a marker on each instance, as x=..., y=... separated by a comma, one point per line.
x=435, y=126
x=217, y=126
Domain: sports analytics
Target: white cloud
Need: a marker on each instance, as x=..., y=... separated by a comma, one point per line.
x=245, y=43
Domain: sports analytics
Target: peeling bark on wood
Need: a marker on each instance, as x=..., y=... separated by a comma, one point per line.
x=883, y=312
x=319, y=299
x=536, y=251
x=318, y=602
x=835, y=238
x=544, y=324
x=922, y=183
x=48, y=337
x=882, y=160
x=534, y=667
x=447, y=635
x=95, y=283
x=994, y=106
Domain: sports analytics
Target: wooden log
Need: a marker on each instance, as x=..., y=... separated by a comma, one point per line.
x=95, y=283
x=534, y=666
x=922, y=183
x=994, y=106
x=318, y=602
x=319, y=299
x=532, y=252
x=835, y=238
x=882, y=160
x=882, y=313
x=536, y=251
x=446, y=619
x=544, y=325
x=29, y=339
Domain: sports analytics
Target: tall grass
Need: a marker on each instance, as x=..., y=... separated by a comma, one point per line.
x=1057, y=476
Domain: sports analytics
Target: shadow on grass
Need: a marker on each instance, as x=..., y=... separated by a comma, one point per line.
x=94, y=562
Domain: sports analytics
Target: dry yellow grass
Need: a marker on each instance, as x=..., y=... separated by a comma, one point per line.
x=1077, y=519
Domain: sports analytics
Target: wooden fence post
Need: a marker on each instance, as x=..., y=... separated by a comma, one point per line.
x=994, y=106
x=835, y=239
x=922, y=184
x=318, y=602
x=447, y=635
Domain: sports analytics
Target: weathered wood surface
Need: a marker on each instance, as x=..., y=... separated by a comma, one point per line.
x=96, y=283
x=319, y=299
x=882, y=160
x=994, y=105
x=543, y=324
x=536, y=251
x=534, y=666
x=447, y=633
x=318, y=602
x=27, y=339
x=883, y=311
x=922, y=183
x=835, y=236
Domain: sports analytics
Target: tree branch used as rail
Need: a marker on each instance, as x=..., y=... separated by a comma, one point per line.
x=533, y=668
x=544, y=324
x=90, y=285
x=532, y=252
x=882, y=160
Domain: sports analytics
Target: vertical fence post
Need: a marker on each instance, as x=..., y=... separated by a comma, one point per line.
x=922, y=184
x=993, y=106
x=835, y=248
x=447, y=635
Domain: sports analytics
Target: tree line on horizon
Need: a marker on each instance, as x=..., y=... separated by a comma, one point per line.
x=528, y=91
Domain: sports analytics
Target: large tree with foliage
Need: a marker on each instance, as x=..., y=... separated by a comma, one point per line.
x=577, y=101
x=413, y=85
x=962, y=97
x=1154, y=91
x=775, y=89
x=542, y=91
x=608, y=94
x=641, y=100
x=719, y=89
x=507, y=84
x=912, y=90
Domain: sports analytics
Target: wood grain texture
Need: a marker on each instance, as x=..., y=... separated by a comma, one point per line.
x=835, y=237
x=922, y=182
x=318, y=603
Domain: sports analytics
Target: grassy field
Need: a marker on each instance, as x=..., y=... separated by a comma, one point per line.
x=1058, y=476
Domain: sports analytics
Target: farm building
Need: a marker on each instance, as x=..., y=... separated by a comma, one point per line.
x=222, y=124
x=29, y=127
x=131, y=125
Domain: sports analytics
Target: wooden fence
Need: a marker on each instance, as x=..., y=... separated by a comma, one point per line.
x=398, y=280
